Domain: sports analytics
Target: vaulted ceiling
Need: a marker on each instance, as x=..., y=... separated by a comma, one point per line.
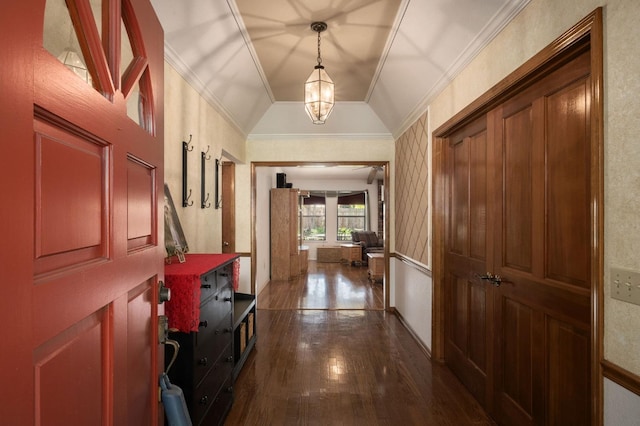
x=388, y=58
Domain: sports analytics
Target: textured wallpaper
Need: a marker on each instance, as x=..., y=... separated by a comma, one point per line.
x=412, y=192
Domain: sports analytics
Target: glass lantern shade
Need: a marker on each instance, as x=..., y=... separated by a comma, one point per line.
x=318, y=95
x=74, y=62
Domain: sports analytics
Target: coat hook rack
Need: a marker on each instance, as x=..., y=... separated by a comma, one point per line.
x=203, y=198
x=218, y=200
x=185, y=149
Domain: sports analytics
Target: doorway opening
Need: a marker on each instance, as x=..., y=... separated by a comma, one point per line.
x=330, y=177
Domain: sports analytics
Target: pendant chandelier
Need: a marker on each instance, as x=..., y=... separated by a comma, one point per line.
x=319, y=88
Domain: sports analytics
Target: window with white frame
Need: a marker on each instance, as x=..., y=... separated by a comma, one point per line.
x=313, y=218
x=352, y=214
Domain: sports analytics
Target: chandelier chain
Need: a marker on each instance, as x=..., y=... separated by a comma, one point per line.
x=319, y=57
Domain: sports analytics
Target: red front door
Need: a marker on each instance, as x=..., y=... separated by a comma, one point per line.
x=83, y=169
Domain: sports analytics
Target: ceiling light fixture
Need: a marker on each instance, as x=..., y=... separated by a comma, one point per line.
x=319, y=88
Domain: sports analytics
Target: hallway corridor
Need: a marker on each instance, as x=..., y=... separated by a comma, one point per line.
x=327, y=354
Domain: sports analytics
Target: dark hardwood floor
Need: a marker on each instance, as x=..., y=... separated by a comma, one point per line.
x=328, y=354
x=325, y=286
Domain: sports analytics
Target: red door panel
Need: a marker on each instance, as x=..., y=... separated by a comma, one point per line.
x=70, y=197
x=81, y=216
x=82, y=389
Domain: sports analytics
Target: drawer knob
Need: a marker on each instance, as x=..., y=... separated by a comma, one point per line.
x=227, y=299
x=204, y=400
x=205, y=286
x=229, y=389
x=203, y=361
x=203, y=324
x=230, y=359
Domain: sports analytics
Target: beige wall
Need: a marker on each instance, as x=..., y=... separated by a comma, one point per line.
x=186, y=113
x=535, y=27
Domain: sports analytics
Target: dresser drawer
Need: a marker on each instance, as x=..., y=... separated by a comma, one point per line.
x=209, y=346
x=215, y=309
x=205, y=394
x=225, y=275
x=213, y=281
x=208, y=286
x=220, y=406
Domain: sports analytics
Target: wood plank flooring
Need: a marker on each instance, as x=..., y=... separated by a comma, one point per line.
x=327, y=354
x=325, y=286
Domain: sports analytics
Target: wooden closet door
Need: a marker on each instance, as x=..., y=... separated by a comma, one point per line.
x=542, y=307
x=468, y=298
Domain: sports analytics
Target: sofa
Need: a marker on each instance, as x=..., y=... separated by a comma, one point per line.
x=369, y=242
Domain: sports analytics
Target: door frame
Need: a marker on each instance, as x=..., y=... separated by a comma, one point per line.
x=385, y=164
x=589, y=31
x=228, y=206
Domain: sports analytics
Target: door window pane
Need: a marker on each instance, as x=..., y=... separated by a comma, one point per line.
x=60, y=39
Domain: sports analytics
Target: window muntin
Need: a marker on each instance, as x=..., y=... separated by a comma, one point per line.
x=73, y=33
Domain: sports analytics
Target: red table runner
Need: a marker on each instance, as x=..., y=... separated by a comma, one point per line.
x=183, y=279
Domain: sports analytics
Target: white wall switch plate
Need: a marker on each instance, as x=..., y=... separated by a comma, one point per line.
x=625, y=285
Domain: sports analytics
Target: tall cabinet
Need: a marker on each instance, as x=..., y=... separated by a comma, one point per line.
x=285, y=247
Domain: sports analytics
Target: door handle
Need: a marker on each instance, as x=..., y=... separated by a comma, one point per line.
x=164, y=293
x=493, y=279
x=226, y=243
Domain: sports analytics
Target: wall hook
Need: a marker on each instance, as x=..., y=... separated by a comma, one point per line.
x=185, y=145
x=185, y=201
x=204, y=154
x=205, y=204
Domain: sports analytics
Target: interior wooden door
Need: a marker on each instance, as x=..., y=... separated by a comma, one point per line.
x=517, y=251
x=86, y=167
x=542, y=307
x=228, y=207
x=468, y=297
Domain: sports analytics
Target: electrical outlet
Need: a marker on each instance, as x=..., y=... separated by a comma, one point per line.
x=625, y=285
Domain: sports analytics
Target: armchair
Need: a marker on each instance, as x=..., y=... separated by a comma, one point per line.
x=369, y=242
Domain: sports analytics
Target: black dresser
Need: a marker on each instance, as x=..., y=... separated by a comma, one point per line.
x=201, y=320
